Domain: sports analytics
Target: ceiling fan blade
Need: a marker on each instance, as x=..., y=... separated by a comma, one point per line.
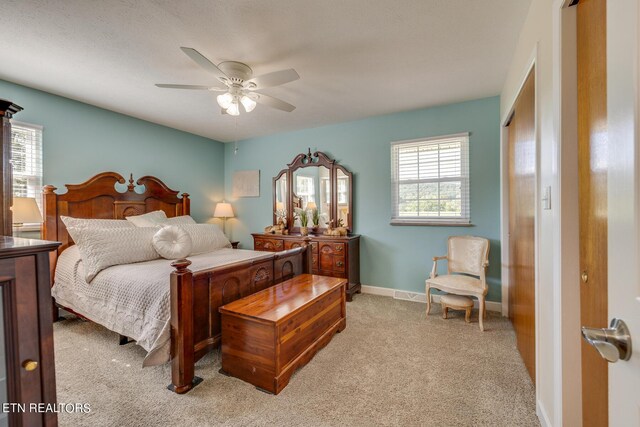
x=196, y=87
x=200, y=59
x=261, y=98
x=276, y=78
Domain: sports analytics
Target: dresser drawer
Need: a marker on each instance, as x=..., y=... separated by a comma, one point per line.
x=272, y=245
x=292, y=244
x=339, y=264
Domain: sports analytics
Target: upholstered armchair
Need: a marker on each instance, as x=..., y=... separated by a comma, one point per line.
x=467, y=256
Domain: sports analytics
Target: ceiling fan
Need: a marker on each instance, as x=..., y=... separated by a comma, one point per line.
x=240, y=88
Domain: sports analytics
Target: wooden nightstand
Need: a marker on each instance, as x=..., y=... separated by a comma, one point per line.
x=234, y=245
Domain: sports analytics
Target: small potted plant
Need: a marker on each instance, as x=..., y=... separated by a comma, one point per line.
x=303, y=215
x=315, y=216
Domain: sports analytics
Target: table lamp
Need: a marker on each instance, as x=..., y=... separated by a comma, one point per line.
x=25, y=211
x=223, y=210
x=311, y=206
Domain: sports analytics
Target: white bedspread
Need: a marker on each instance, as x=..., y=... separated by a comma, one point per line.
x=132, y=299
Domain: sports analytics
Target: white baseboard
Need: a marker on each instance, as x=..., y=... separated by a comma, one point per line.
x=419, y=297
x=542, y=415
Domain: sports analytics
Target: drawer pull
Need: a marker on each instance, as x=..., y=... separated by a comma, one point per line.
x=339, y=248
x=29, y=365
x=339, y=263
x=258, y=243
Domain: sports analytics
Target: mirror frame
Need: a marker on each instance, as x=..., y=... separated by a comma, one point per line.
x=275, y=199
x=315, y=159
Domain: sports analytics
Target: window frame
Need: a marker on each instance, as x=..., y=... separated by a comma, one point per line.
x=464, y=220
x=37, y=128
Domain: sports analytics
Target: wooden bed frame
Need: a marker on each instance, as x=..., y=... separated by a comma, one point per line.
x=195, y=296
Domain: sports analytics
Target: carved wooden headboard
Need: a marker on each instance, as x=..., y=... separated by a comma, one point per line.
x=99, y=198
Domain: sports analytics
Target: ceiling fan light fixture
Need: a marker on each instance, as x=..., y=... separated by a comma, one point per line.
x=233, y=109
x=248, y=103
x=225, y=100
x=239, y=84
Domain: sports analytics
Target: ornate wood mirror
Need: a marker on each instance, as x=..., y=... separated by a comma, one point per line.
x=313, y=181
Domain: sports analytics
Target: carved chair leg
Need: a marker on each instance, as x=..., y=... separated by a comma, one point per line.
x=445, y=311
x=481, y=314
x=428, y=299
x=467, y=314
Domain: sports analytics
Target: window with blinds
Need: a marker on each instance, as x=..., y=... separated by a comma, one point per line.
x=26, y=158
x=430, y=181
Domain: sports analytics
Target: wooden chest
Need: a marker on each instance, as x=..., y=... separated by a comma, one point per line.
x=331, y=255
x=268, y=335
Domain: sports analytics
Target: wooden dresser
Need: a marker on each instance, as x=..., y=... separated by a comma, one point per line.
x=332, y=256
x=27, y=371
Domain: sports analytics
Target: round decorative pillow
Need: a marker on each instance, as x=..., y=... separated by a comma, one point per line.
x=172, y=242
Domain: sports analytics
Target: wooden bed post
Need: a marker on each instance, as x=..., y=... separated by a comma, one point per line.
x=307, y=256
x=50, y=232
x=182, y=345
x=186, y=204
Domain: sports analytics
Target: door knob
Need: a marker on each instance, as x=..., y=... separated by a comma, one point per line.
x=613, y=343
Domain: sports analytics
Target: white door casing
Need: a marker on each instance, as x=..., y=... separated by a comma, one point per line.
x=623, y=103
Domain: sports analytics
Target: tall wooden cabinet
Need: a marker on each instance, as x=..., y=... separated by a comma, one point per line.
x=331, y=255
x=7, y=110
x=27, y=371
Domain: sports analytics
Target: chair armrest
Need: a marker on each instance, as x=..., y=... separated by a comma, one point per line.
x=434, y=270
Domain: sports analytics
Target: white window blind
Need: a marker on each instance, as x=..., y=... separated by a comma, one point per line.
x=26, y=158
x=430, y=180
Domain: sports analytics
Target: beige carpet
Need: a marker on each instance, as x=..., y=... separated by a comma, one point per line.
x=391, y=366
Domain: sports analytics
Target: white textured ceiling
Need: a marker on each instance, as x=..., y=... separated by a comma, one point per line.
x=356, y=58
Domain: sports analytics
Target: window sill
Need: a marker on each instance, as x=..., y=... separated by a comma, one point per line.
x=432, y=223
x=27, y=227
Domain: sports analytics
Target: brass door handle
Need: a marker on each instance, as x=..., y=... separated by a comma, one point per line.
x=613, y=343
x=29, y=365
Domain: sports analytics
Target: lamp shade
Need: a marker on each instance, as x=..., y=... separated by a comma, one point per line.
x=25, y=210
x=279, y=206
x=223, y=210
x=311, y=205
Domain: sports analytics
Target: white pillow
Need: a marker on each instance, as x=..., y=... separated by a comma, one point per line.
x=172, y=242
x=205, y=237
x=101, y=247
x=150, y=219
x=73, y=224
x=179, y=220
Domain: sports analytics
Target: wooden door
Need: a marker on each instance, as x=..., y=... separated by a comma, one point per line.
x=522, y=181
x=592, y=183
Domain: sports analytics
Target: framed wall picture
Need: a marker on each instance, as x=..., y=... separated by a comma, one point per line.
x=246, y=183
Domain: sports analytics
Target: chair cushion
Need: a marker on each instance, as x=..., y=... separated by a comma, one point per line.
x=467, y=254
x=456, y=283
x=456, y=300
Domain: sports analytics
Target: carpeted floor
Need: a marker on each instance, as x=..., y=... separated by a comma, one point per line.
x=391, y=366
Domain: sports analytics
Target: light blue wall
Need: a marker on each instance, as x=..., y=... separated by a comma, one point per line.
x=391, y=256
x=80, y=140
